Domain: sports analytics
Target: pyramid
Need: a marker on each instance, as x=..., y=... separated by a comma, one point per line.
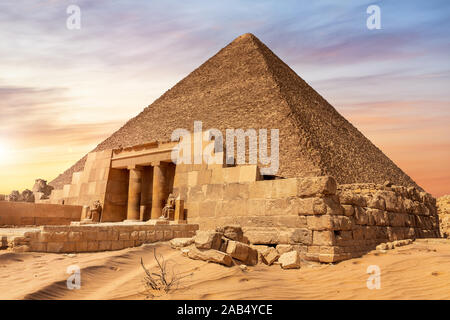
x=245, y=85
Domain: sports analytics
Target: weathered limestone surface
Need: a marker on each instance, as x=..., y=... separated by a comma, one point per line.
x=290, y=260
x=232, y=232
x=393, y=244
x=210, y=256
x=443, y=205
x=208, y=240
x=324, y=222
x=242, y=252
x=181, y=242
x=283, y=248
x=270, y=255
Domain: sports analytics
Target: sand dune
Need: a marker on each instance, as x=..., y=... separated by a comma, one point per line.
x=417, y=271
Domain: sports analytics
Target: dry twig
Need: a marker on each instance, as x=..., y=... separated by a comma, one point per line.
x=163, y=279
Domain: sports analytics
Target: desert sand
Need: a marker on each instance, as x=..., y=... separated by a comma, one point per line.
x=417, y=271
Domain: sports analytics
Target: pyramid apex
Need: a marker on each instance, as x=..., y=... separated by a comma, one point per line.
x=246, y=36
x=245, y=85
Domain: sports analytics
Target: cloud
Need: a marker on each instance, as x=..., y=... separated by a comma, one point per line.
x=31, y=116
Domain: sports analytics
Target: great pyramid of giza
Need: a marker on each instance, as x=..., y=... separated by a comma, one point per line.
x=245, y=85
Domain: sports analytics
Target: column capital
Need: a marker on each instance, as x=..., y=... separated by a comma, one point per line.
x=156, y=163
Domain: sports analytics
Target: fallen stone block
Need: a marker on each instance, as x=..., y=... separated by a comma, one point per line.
x=210, y=255
x=242, y=252
x=231, y=232
x=181, y=242
x=208, y=240
x=260, y=249
x=382, y=246
x=400, y=243
x=290, y=260
x=223, y=244
x=270, y=255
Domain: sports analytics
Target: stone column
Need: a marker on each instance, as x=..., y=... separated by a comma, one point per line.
x=134, y=194
x=159, y=187
x=146, y=193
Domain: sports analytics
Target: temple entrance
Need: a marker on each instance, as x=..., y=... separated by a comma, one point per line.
x=148, y=189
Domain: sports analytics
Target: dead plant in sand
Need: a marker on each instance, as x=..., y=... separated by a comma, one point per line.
x=164, y=279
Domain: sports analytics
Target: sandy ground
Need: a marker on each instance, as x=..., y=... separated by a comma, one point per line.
x=417, y=271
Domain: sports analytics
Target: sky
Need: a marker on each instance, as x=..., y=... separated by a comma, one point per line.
x=64, y=91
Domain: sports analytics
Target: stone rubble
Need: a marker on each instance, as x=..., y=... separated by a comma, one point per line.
x=210, y=255
x=290, y=260
x=220, y=247
x=181, y=242
x=443, y=206
x=393, y=244
x=208, y=240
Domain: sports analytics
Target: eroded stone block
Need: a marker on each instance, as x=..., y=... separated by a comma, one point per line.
x=210, y=255
x=208, y=240
x=290, y=260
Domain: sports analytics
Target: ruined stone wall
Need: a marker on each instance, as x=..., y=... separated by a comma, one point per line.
x=23, y=213
x=443, y=205
x=325, y=222
x=104, y=237
x=373, y=214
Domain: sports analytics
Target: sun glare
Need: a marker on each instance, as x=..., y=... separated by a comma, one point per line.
x=3, y=152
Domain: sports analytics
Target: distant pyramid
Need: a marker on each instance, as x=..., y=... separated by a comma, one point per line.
x=245, y=85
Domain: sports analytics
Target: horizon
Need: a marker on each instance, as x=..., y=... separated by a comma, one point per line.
x=77, y=87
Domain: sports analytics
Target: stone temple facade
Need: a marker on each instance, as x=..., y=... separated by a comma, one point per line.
x=325, y=221
x=331, y=200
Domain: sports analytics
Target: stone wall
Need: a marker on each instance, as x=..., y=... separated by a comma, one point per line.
x=373, y=214
x=102, y=237
x=443, y=205
x=88, y=185
x=325, y=222
x=116, y=198
x=23, y=213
